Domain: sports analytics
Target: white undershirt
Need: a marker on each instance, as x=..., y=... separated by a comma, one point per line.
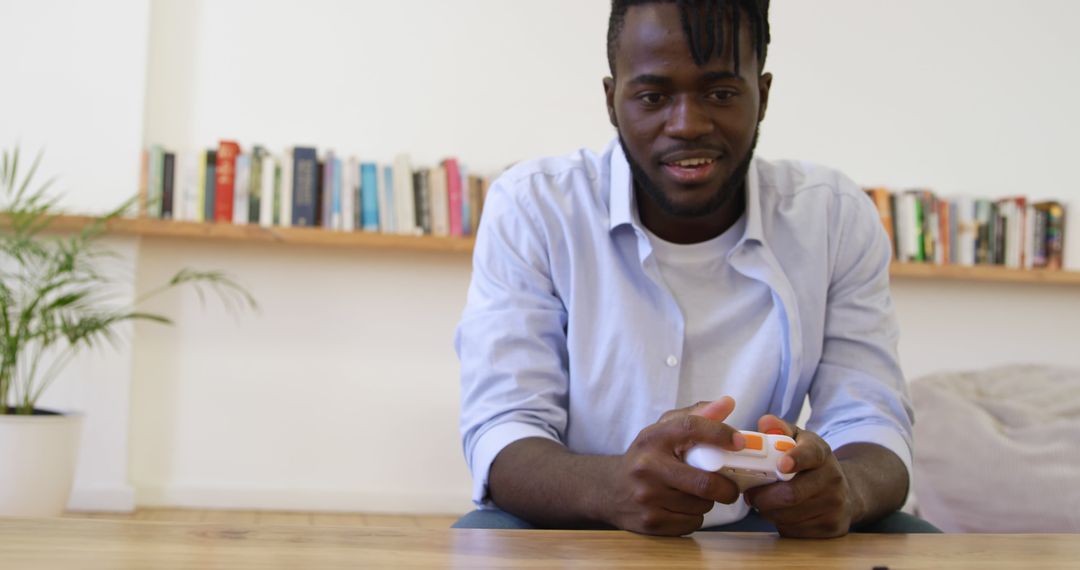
x=732, y=340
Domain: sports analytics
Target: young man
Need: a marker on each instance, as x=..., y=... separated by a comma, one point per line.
x=671, y=291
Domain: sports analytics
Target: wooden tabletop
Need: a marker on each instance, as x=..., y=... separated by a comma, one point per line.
x=92, y=544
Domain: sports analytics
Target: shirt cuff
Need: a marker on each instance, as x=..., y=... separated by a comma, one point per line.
x=885, y=436
x=488, y=446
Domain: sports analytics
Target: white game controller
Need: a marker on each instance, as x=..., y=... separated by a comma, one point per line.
x=755, y=465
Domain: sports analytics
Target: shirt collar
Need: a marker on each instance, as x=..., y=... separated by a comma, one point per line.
x=623, y=208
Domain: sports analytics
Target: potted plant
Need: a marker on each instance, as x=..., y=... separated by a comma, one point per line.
x=57, y=299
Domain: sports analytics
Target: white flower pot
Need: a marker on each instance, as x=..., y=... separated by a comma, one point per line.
x=37, y=463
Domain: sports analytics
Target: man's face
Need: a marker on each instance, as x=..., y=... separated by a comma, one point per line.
x=688, y=131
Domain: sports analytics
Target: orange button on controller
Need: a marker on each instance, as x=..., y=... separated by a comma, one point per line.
x=784, y=445
x=754, y=442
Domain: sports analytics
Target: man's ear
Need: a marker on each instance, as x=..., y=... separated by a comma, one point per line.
x=764, y=86
x=609, y=96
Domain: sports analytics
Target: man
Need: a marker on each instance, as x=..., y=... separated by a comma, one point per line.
x=610, y=293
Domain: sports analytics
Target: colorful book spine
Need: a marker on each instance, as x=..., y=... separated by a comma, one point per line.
x=369, y=197
x=337, y=199
x=305, y=184
x=453, y=190
x=225, y=176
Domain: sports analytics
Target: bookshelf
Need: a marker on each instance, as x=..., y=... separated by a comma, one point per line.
x=360, y=240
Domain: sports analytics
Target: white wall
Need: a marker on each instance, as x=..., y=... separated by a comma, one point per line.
x=342, y=393
x=73, y=87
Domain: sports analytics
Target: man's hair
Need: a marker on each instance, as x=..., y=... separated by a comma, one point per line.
x=703, y=23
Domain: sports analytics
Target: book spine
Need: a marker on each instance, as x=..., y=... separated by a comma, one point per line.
x=422, y=200
x=268, y=182
x=210, y=186
x=369, y=190
x=348, y=195
x=387, y=207
x=305, y=185
x=336, y=221
x=475, y=199
x=440, y=204
x=326, y=192
x=168, y=185
x=404, y=196
x=284, y=193
x=453, y=191
x=255, y=192
x=225, y=176
x=242, y=189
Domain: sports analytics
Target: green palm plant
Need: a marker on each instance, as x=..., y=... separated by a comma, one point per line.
x=57, y=295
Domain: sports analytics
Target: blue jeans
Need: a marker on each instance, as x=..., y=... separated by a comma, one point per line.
x=896, y=523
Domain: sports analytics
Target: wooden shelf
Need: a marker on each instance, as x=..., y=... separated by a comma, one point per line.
x=325, y=238
x=990, y=274
x=252, y=233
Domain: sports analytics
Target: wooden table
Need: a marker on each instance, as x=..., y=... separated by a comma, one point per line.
x=91, y=544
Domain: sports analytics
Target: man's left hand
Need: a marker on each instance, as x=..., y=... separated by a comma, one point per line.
x=819, y=501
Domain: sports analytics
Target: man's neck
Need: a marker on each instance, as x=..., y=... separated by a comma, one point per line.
x=689, y=230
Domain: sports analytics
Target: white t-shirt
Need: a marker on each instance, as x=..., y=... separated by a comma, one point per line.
x=732, y=340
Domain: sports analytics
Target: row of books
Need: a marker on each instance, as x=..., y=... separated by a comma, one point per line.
x=303, y=187
x=1013, y=232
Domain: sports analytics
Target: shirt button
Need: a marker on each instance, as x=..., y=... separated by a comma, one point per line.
x=672, y=362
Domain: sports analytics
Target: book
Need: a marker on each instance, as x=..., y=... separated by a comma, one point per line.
x=405, y=196
x=268, y=195
x=476, y=201
x=440, y=202
x=225, y=176
x=422, y=200
x=242, y=189
x=326, y=191
x=255, y=188
x=305, y=184
x=336, y=208
x=1055, y=233
x=168, y=184
x=387, y=205
x=453, y=195
x=285, y=190
x=209, y=186
x=369, y=197
x=349, y=175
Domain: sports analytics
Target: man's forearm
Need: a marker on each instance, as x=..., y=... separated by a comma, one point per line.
x=877, y=478
x=542, y=482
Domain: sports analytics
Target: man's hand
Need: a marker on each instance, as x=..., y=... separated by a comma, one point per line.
x=820, y=501
x=654, y=491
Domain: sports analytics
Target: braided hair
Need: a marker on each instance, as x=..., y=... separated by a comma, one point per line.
x=703, y=23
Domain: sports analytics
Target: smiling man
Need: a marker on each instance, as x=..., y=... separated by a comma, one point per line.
x=673, y=291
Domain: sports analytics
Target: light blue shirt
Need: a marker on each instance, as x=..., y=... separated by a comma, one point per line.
x=570, y=334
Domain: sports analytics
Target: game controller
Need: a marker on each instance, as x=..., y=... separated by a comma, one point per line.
x=755, y=465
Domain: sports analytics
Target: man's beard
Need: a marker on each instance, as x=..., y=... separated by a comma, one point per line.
x=731, y=186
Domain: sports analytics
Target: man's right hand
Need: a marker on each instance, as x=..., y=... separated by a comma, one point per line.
x=654, y=491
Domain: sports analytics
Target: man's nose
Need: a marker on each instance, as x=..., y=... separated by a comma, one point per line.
x=688, y=120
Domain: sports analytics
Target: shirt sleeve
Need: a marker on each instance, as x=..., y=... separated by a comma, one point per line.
x=511, y=340
x=859, y=394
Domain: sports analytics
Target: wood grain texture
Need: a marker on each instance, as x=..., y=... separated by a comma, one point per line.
x=92, y=544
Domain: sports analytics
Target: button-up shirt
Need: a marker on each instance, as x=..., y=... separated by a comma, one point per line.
x=569, y=333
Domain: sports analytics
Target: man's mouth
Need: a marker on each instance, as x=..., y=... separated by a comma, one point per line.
x=690, y=170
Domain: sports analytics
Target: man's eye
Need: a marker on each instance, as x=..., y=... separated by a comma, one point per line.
x=651, y=98
x=722, y=96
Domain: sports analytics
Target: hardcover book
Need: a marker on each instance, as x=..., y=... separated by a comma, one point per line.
x=210, y=186
x=168, y=185
x=369, y=197
x=225, y=176
x=453, y=192
x=305, y=184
